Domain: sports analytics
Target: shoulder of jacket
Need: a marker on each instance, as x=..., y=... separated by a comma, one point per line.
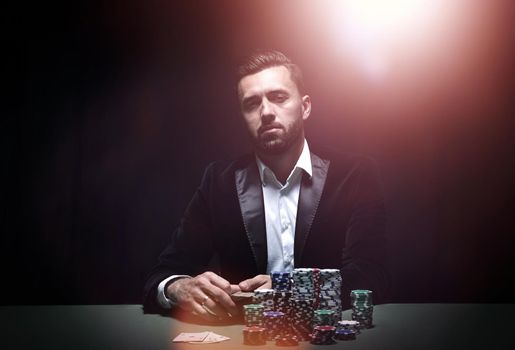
x=341, y=161
x=227, y=168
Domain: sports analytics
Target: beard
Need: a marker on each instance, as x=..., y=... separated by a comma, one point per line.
x=280, y=141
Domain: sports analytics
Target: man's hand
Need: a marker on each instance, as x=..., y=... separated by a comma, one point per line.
x=207, y=295
x=258, y=282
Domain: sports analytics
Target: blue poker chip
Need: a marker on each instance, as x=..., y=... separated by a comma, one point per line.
x=281, y=280
x=345, y=334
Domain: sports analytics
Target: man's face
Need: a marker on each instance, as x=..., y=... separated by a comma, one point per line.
x=273, y=109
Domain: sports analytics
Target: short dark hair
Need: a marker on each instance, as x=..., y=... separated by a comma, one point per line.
x=263, y=59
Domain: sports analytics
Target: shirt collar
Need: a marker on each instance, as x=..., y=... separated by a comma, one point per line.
x=303, y=163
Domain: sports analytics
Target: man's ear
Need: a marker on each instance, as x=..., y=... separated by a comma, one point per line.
x=306, y=107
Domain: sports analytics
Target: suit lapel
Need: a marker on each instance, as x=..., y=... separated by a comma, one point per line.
x=309, y=198
x=250, y=196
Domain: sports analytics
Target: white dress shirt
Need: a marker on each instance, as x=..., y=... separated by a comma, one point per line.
x=280, y=205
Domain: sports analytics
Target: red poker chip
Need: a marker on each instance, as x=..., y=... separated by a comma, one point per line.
x=325, y=328
x=287, y=341
x=254, y=336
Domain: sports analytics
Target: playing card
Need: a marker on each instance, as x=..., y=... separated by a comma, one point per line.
x=190, y=337
x=242, y=295
x=214, y=338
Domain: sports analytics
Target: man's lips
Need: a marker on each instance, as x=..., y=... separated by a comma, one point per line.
x=271, y=127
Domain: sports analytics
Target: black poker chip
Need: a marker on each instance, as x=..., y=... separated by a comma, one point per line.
x=274, y=322
x=323, y=335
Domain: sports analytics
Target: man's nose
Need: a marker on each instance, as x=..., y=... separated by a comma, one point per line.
x=267, y=111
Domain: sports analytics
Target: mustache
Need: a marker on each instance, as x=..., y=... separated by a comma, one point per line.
x=266, y=127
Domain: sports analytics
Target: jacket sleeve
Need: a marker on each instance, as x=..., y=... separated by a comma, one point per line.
x=191, y=247
x=365, y=253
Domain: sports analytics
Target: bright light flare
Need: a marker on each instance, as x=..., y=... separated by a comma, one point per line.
x=380, y=15
x=378, y=31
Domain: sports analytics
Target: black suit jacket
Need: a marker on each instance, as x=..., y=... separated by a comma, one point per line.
x=340, y=224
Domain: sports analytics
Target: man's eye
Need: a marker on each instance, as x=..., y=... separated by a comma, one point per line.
x=249, y=105
x=279, y=98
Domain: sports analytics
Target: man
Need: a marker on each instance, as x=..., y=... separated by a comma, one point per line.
x=280, y=208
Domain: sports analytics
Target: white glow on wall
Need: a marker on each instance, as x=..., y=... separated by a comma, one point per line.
x=380, y=32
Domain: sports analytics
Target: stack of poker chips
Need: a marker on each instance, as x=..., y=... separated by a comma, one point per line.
x=303, y=283
x=282, y=301
x=349, y=324
x=321, y=285
x=265, y=297
x=254, y=336
x=362, y=307
x=323, y=317
x=274, y=323
x=323, y=335
x=330, y=292
x=253, y=315
x=301, y=315
x=281, y=285
x=281, y=280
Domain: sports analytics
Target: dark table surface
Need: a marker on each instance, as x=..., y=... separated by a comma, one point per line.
x=397, y=326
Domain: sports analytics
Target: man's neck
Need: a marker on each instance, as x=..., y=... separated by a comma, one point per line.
x=282, y=164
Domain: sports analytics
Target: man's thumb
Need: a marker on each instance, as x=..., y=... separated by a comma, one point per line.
x=245, y=286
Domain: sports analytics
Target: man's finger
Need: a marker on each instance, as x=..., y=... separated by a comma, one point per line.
x=218, y=281
x=215, y=309
x=235, y=288
x=267, y=282
x=208, y=302
x=220, y=289
x=222, y=298
x=259, y=281
x=201, y=311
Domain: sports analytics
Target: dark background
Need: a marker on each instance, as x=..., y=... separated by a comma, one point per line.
x=114, y=108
